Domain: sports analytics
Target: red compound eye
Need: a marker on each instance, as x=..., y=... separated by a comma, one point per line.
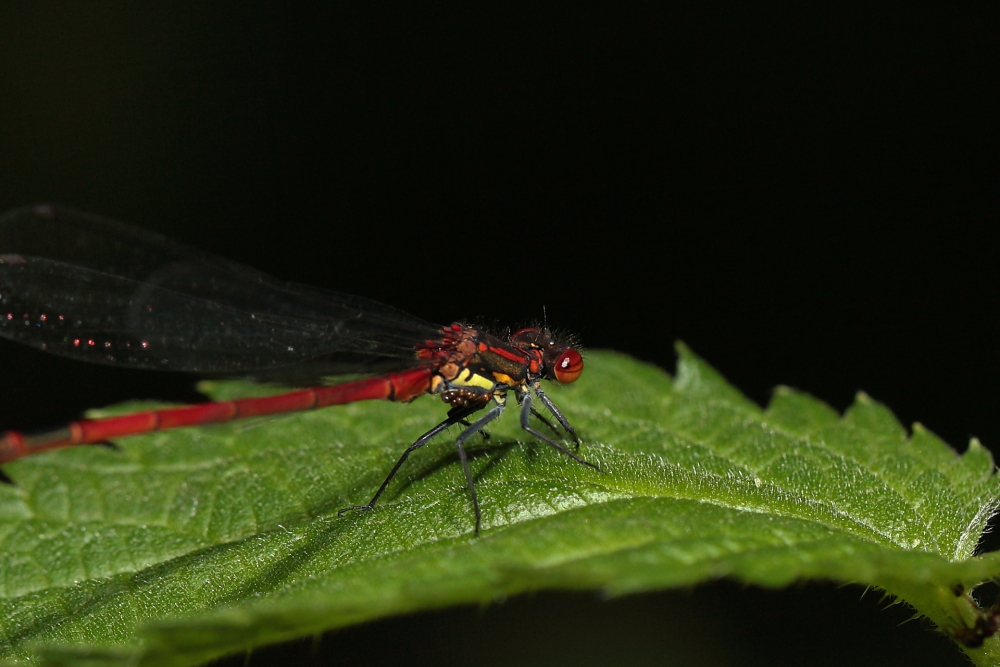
x=568, y=366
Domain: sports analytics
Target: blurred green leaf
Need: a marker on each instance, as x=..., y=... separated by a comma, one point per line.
x=191, y=544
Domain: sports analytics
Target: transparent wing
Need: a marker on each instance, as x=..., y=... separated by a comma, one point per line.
x=97, y=290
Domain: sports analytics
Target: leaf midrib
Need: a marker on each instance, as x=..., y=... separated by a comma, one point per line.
x=920, y=518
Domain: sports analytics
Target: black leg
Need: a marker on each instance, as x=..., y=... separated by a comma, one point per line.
x=467, y=423
x=558, y=415
x=476, y=426
x=456, y=416
x=541, y=418
x=526, y=415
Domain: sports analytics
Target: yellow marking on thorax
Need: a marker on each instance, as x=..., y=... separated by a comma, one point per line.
x=469, y=379
x=502, y=378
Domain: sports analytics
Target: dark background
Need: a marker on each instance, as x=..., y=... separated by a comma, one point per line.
x=805, y=195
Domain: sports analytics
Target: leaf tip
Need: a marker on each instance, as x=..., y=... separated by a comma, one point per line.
x=976, y=449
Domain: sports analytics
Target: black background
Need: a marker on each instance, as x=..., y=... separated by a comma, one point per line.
x=805, y=195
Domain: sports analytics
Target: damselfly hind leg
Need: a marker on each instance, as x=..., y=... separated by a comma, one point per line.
x=455, y=416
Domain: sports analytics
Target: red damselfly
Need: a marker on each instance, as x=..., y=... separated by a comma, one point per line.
x=96, y=290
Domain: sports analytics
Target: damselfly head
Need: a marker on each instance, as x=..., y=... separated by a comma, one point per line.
x=560, y=362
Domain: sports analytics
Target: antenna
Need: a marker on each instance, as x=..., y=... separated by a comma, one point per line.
x=545, y=320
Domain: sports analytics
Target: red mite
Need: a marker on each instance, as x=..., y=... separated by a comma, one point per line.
x=93, y=289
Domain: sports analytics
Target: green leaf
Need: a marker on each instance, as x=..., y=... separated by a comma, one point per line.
x=195, y=543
